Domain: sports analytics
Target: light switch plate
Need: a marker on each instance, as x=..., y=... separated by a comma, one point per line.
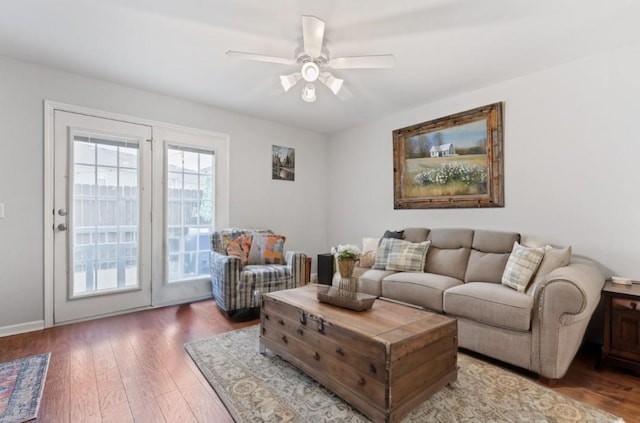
x=1, y=210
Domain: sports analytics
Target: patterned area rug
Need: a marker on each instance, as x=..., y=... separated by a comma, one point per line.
x=258, y=388
x=21, y=385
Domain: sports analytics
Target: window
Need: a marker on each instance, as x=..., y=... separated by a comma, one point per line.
x=105, y=213
x=190, y=211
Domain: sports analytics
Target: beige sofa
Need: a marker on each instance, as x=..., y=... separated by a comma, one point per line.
x=540, y=329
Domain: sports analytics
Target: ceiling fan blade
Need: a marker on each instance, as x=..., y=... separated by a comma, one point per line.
x=363, y=62
x=344, y=94
x=259, y=57
x=313, y=35
x=333, y=83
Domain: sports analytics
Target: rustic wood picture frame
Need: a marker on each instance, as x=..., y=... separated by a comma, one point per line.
x=452, y=162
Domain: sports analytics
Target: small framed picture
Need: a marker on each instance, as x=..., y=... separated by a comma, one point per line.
x=283, y=163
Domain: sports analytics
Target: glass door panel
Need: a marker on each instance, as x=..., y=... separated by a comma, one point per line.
x=105, y=228
x=189, y=209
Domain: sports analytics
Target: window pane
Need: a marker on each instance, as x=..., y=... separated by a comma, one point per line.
x=107, y=155
x=189, y=212
x=105, y=215
x=191, y=162
x=84, y=152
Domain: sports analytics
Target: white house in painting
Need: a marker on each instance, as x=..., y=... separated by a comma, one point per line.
x=443, y=150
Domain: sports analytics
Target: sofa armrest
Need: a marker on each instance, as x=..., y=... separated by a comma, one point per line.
x=563, y=305
x=297, y=263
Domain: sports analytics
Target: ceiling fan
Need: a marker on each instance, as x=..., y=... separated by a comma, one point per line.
x=314, y=62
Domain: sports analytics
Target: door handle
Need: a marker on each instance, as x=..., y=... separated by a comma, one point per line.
x=62, y=227
x=62, y=212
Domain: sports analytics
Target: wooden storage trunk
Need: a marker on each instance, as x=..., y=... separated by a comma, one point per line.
x=384, y=361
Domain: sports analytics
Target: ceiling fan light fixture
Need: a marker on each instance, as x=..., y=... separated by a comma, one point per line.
x=290, y=80
x=309, y=93
x=310, y=71
x=333, y=83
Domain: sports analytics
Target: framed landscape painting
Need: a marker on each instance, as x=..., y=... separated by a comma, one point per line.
x=283, y=163
x=450, y=162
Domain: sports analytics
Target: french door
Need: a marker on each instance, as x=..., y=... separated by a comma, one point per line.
x=133, y=204
x=102, y=216
x=186, y=211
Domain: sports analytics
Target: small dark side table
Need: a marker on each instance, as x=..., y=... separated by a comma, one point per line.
x=621, y=326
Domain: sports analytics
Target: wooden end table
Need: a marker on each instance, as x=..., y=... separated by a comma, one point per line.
x=621, y=326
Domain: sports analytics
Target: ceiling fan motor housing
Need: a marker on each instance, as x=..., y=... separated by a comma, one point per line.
x=310, y=71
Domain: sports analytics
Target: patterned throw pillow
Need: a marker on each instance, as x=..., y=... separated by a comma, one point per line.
x=408, y=256
x=382, y=254
x=267, y=249
x=240, y=248
x=392, y=234
x=522, y=264
x=383, y=251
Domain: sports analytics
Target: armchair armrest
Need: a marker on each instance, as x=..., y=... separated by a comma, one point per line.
x=225, y=274
x=297, y=264
x=563, y=305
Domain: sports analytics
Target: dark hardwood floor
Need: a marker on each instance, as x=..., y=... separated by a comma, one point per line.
x=134, y=368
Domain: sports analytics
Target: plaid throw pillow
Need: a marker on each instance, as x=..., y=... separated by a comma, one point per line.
x=407, y=256
x=522, y=264
x=383, y=251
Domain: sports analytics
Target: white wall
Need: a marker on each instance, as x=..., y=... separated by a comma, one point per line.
x=296, y=209
x=572, y=168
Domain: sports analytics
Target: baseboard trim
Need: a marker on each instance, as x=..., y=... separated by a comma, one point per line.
x=21, y=328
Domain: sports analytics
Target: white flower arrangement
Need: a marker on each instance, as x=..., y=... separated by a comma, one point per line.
x=346, y=251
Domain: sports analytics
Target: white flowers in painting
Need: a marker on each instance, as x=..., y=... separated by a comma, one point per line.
x=452, y=172
x=346, y=251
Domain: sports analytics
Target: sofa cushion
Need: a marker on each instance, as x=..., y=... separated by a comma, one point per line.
x=448, y=254
x=416, y=234
x=370, y=281
x=522, y=264
x=489, y=254
x=421, y=289
x=264, y=278
x=489, y=303
x=451, y=238
x=408, y=256
x=494, y=241
x=485, y=267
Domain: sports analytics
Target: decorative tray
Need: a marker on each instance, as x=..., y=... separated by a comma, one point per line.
x=356, y=301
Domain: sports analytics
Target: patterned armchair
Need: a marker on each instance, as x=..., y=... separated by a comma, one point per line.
x=247, y=263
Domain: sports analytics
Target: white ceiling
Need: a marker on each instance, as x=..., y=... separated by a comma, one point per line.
x=442, y=47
